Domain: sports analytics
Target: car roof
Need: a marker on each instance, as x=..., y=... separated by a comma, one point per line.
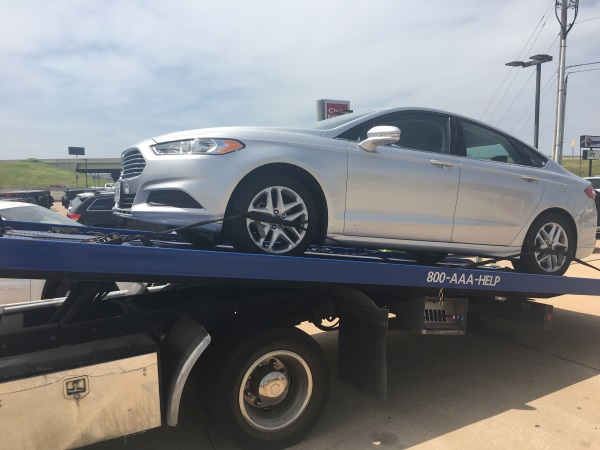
x=13, y=204
x=86, y=195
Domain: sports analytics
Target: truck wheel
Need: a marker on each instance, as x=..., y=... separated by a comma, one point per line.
x=549, y=231
x=280, y=197
x=271, y=390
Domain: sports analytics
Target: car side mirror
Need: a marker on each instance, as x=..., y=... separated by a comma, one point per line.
x=381, y=135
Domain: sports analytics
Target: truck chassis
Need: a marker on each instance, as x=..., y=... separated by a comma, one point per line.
x=109, y=364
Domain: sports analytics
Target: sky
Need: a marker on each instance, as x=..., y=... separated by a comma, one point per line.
x=105, y=74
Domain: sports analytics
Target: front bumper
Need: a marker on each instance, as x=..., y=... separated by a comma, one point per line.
x=176, y=190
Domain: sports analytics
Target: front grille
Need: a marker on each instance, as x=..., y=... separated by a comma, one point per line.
x=132, y=163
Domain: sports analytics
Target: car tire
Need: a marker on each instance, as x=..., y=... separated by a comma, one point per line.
x=270, y=390
x=547, y=231
x=427, y=258
x=281, y=197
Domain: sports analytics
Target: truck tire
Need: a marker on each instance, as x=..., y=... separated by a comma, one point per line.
x=46, y=201
x=271, y=389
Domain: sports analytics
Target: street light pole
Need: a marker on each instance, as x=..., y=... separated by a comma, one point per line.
x=536, y=126
x=536, y=60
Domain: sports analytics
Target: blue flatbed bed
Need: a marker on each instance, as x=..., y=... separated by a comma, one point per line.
x=31, y=251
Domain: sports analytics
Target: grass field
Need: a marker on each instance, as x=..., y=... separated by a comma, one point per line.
x=37, y=175
x=16, y=175
x=573, y=165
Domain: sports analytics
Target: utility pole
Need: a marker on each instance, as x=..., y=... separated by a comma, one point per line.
x=559, y=124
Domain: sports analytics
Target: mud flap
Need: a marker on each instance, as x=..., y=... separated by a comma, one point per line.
x=361, y=343
x=180, y=350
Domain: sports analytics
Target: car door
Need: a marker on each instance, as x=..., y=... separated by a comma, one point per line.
x=499, y=188
x=405, y=190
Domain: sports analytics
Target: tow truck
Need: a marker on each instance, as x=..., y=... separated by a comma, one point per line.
x=97, y=365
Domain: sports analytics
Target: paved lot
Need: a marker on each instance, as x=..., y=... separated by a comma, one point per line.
x=511, y=388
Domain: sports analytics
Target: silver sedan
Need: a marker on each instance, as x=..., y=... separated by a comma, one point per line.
x=421, y=180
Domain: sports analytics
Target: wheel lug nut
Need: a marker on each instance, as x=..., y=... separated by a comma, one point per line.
x=247, y=393
x=273, y=227
x=276, y=211
x=257, y=402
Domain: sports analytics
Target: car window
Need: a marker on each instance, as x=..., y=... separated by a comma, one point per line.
x=418, y=131
x=36, y=214
x=75, y=203
x=483, y=143
x=529, y=156
x=102, y=204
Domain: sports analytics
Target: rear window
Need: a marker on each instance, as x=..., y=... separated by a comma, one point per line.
x=75, y=203
x=102, y=204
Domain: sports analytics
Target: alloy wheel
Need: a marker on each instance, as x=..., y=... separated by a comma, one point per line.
x=283, y=203
x=551, y=236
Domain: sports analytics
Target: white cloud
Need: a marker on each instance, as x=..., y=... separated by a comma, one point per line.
x=104, y=74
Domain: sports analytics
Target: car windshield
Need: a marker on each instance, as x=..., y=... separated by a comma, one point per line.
x=335, y=122
x=36, y=214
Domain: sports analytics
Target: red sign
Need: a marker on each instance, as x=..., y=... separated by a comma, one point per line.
x=327, y=108
x=333, y=109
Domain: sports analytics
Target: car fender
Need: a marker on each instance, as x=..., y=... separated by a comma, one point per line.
x=573, y=204
x=327, y=165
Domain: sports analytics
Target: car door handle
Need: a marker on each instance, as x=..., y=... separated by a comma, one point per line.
x=529, y=178
x=442, y=164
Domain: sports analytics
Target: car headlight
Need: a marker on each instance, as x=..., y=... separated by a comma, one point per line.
x=198, y=146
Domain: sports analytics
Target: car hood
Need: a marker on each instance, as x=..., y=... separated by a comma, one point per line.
x=267, y=133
